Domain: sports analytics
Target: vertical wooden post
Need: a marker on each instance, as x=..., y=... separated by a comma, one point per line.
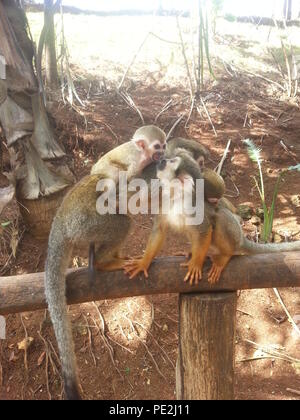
x=205, y=366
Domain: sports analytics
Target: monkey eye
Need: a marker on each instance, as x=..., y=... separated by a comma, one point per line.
x=164, y=146
x=173, y=160
x=157, y=146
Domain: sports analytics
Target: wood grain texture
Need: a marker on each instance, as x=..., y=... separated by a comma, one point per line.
x=205, y=366
x=26, y=292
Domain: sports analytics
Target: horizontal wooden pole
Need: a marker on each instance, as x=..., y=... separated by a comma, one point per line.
x=26, y=292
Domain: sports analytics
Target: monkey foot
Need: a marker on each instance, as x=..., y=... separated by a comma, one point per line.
x=194, y=273
x=215, y=274
x=136, y=266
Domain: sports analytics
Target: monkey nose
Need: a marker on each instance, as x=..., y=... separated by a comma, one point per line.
x=162, y=164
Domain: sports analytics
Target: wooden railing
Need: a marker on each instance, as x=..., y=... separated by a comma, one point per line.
x=207, y=313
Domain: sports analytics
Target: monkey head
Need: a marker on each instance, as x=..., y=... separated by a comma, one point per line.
x=214, y=186
x=151, y=141
x=180, y=165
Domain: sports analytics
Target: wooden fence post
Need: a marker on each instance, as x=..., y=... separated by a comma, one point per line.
x=205, y=366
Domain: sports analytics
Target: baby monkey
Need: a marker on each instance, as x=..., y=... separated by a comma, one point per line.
x=147, y=145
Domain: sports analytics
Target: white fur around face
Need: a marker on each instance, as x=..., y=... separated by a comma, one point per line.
x=168, y=173
x=182, y=189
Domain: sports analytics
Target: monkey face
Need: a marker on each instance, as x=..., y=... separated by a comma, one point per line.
x=166, y=169
x=153, y=150
x=157, y=150
x=151, y=140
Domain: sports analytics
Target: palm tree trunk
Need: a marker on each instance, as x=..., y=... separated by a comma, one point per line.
x=24, y=120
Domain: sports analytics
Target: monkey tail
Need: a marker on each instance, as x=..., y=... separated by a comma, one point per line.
x=59, y=252
x=251, y=248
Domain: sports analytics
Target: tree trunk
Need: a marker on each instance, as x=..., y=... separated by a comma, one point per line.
x=18, y=56
x=26, y=125
x=50, y=50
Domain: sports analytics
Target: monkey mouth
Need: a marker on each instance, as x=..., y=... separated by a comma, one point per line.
x=156, y=157
x=213, y=201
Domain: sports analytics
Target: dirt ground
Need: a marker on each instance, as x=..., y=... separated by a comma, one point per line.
x=135, y=355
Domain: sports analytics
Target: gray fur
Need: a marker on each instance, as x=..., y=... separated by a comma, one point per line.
x=233, y=234
x=76, y=222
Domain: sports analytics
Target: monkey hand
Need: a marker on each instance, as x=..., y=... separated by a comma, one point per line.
x=194, y=273
x=136, y=266
x=215, y=274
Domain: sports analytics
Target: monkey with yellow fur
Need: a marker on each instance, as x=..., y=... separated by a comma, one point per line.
x=228, y=239
x=214, y=187
x=183, y=166
x=147, y=145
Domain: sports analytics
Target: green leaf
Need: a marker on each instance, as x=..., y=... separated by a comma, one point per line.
x=266, y=225
x=5, y=224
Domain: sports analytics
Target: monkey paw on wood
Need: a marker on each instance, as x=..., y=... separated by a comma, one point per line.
x=136, y=266
x=194, y=273
x=215, y=274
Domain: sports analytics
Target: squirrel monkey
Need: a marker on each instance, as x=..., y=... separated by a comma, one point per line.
x=147, y=145
x=196, y=149
x=215, y=189
x=182, y=166
x=228, y=239
x=77, y=222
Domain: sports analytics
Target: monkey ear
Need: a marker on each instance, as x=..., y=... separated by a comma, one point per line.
x=141, y=144
x=201, y=162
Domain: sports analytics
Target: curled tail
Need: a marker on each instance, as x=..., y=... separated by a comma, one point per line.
x=249, y=247
x=59, y=251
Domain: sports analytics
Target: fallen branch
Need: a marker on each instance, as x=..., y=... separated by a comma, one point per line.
x=220, y=166
x=294, y=325
x=177, y=122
